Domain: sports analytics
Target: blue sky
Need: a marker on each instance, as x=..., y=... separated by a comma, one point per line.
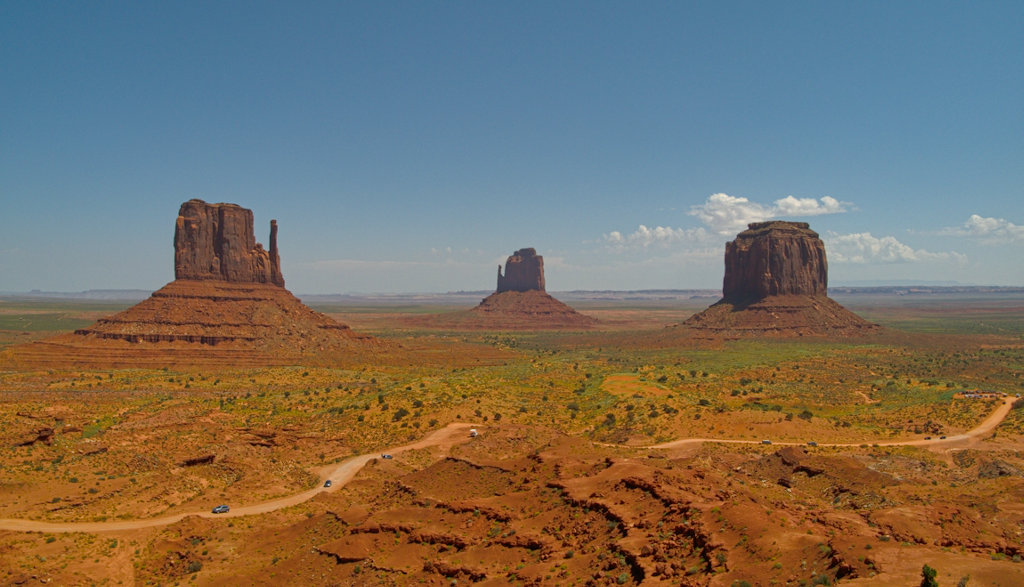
x=412, y=146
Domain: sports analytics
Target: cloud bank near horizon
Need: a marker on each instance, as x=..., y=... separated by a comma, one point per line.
x=659, y=235
x=987, y=230
x=723, y=215
x=863, y=247
x=679, y=254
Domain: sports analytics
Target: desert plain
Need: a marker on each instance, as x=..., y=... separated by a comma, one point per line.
x=625, y=453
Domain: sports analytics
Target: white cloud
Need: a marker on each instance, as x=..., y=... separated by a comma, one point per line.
x=989, y=230
x=790, y=206
x=726, y=215
x=659, y=235
x=722, y=215
x=863, y=247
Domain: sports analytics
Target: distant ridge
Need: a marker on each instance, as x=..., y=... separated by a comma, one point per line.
x=118, y=295
x=466, y=296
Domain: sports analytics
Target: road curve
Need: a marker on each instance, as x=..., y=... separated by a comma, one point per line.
x=446, y=437
x=987, y=425
x=340, y=475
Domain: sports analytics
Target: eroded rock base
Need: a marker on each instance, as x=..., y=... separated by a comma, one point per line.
x=238, y=324
x=782, y=316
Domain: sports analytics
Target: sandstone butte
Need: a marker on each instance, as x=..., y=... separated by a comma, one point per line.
x=776, y=284
x=520, y=302
x=226, y=306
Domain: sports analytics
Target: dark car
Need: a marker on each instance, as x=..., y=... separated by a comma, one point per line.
x=385, y=456
x=812, y=443
x=942, y=438
x=221, y=509
x=927, y=437
x=327, y=483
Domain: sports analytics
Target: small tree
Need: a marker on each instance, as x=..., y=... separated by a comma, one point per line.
x=928, y=577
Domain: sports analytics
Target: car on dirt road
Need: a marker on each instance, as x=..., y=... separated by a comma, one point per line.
x=327, y=483
x=221, y=509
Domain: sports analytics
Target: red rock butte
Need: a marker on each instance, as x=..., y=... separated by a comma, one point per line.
x=776, y=284
x=216, y=242
x=524, y=271
x=520, y=302
x=226, y=307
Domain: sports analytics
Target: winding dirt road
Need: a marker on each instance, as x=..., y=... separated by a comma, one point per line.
x=445, y=438
x=339, y=475
x=987, y=425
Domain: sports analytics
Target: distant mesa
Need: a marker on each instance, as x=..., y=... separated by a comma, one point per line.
x=227, y=305
x=776, y=283
x=518, y=303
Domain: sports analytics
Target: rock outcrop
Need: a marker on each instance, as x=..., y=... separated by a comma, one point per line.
x=227, y=306
x=524, y=271
x=776, y=284
x=775, y=258
x=216, y=242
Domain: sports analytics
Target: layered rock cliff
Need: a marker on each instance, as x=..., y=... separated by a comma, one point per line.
x=524, y=271
x=775, y=258
x=216, y=241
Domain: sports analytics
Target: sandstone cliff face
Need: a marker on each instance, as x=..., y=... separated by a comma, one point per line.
x=775, y=258
x=216, y=242
x=524, y=271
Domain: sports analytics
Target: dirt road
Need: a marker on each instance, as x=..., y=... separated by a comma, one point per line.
x=445, y=438
x=339, y=475
x=987, y=426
